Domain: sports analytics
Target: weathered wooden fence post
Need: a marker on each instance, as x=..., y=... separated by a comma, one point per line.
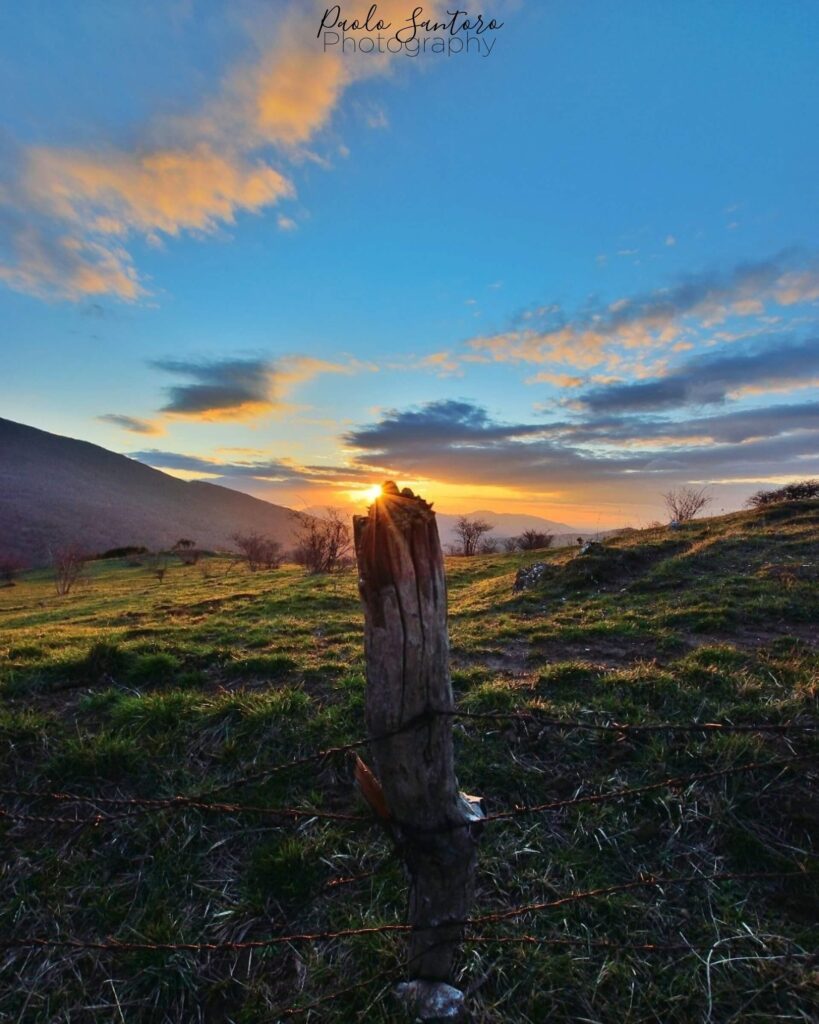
x=403, y=589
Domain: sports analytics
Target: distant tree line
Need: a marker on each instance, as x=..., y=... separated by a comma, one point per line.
x=799, y=490
x=324, y=544
x=472, y=539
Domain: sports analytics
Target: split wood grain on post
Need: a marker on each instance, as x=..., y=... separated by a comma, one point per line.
x=406, y=645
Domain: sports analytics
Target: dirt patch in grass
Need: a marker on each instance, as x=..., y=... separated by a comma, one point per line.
x=512, y=658
x=601, y=652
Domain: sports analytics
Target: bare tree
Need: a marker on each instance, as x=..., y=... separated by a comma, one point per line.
x=469, y=533
x=186, y=551
x=684, y=503
x=325, y=544
x=259, y=552
x=69, y=565
x=10, y=568
x=534, y=540
x=158, y=565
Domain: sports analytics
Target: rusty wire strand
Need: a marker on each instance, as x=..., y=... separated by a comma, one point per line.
x=137, y=805
x=709, y=728
x=547, y=940
x=674, y=782
x=621, y=947
x=116, y=945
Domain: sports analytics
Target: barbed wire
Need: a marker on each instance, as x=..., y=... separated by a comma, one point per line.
x=622, y=947
x=637, y=883
x=674, y=782
x=637, y=727
x=137, y=805
x=200, y=800
x=548, y=940
x=118, y=945
x=319, y=755
x=547, y=721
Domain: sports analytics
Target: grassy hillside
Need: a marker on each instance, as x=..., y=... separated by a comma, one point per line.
x=133, y=688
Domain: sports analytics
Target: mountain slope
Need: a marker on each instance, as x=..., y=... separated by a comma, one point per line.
x=56, y=490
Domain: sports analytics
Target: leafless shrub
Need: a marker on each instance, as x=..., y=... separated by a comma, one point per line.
x=158, y=565
x=69, y=564
x=186, y=551
x=510, y=544
x=534, y=540
x=684, y=503
x=258, y=551
x=323, y=545
x=10, y=568
x=799, y=490
x=488, y=546
x=469, y=533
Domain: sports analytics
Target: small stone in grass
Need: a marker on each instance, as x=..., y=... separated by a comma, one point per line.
x=431, y=1001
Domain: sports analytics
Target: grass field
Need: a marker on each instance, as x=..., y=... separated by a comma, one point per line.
x=132, y=687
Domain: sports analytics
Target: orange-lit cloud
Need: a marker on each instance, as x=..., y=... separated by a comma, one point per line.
x=68, y=266
x=665, y=318
x=167, y=191
x=193, y=172
x=459, y=442
x=560, y=380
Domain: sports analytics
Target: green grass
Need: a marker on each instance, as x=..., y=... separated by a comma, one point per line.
x=131, y=687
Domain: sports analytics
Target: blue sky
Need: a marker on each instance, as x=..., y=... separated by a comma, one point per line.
x=562, y=278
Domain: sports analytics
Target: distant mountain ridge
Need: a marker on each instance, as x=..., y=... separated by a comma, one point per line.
x=56, y=490
x=506, y=524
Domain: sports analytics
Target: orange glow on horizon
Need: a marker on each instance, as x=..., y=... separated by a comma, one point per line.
x=366, y=495
x=457, y=499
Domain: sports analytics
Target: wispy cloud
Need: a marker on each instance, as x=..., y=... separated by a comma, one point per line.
x=162, y=191
x=53, y=262
x=241, y=389
x=262, y=470
x=132, y=424
x=732, y=427
x=711, y=379
x=605, y=335
x=76, y=210
x=271, y=470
